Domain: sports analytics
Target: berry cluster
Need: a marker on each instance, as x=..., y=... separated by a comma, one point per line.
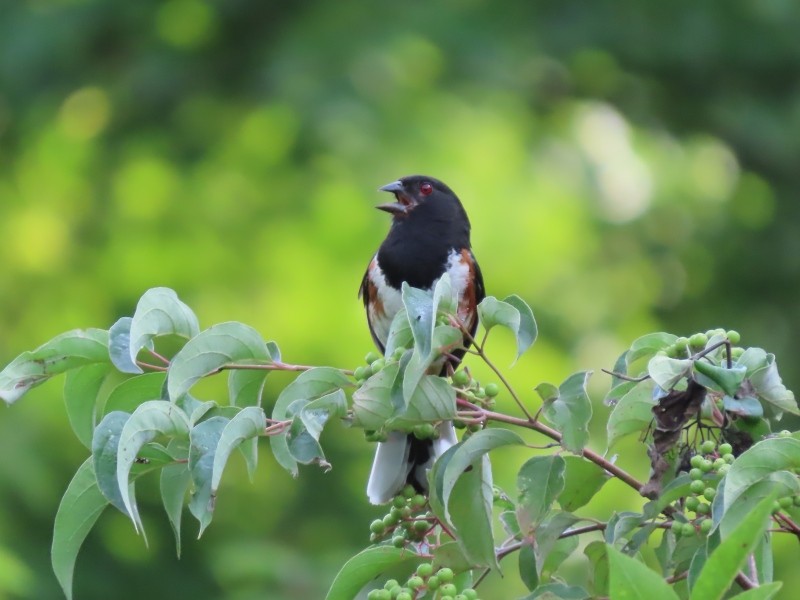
x=708, y=467
x=407, y=520
x=376, y=362
x=472, y=390
x=685, y=347
x=423, y=581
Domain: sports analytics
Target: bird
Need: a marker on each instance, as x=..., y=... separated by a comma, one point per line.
x=428, y=237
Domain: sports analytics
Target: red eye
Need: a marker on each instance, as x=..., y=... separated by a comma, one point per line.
x=425, y=188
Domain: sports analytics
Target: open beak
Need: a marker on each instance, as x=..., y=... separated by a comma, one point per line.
x=404, y=201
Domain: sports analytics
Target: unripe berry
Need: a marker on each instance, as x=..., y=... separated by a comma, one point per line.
x=406, y=511
x=786, y=501
x=708, y=447
x=728, y=458
x=723, y=469
x=492, y=389
x=709, y=493
x=398, y=541
x=445, y=575
x=797, y=500
x=687, y=529
x=391, y=584
x=696, y=461
x=418, y=501
x=698, y=340
x=719, y=462
x=785, y=433
x=379, y=595
x=696, y=474
x=706, y=525
x=706, y=465
x=703, y=509
x=420, y=526
x=470, y=594
x=409, y=491
x=405, y=596
x=371, y=357
x=414, y=582
x=725, y=449
x=377, y=365
x=697, y=486
x=425, y=570
x=733, y=336
x=677, y=528
x=448, y=589
x=461, y=378
x=377, y=526
x=433, y=582
x=691, y=503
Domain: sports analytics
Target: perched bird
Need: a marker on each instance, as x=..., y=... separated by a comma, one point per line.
x=429, y=236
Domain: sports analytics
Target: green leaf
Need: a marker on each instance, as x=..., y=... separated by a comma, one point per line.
x=758, y=463
x=366, y=566
x=744, y=407
x=769, y=387
x=372, y=402
x=513, y=313
x=527, y=567
x=105, y=446
x=63, y=353
x=725, y=561
x=174, y=484
x=419, y=307
x=598, y=574
x=81, y=388
x=152, y=418
x=309, y=385
x=245, y=386
x=753, y=359
x=470, y=452
x=633, y=413
x=571, y=412
x=560, y=551
x=558, y=591
x=129, y=394
x=159, y=312
x=719, y=378
x=316, y=413
x=211, y=350
x=548, y=534
x=667, y=372
x=249, y=423
x=400, y=335
x=763, y=592
x=582, y=480
x=621, y=525
x=77, y=513
x=647, y=346
x=119, y=346
x=452, y=556
x=540, y=481
x=630, y=579
x=204, y=439
x=433, y=399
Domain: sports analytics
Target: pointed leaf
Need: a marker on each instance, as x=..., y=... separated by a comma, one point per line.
x=77, y=513
x=598, y=574
x=204, y=440
x=247, y=424
x=419, y=307
x=769, y=387
x=317, y=413
x=372, y=402
x=647, y=346
x=63, y=353
x=174, y=484
x=540, y=481
x=105, y=446
x=548, y=534
x=758, y=463
x=725, y=561
x=366, y=566
x=666, y=372
x=571, y=412
x=762, y=592
x=512, y=313
x=130, y=393
x=719, y=378
x=212, y=349
x=160, y=312
x=434, y=399
x=470, y=514
x=582, y=480
x=633, y=413
x=245, y=386
x=119, y=346
x=400, y=335
x=632, y=580
x=309, y=385
x=152, y=418
x=80, y=396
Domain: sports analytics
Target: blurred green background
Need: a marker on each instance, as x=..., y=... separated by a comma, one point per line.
x=627, y=167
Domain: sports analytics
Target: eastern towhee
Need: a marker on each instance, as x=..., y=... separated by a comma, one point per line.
x=429, y=236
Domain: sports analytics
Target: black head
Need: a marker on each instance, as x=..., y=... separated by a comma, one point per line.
x=421, y=194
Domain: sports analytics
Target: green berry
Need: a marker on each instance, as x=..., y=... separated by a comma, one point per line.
x=377, y=365
x=433, y=582
x=379, y=595
x=390, y=520
x=461, y=378
x=776, y=507
x=785, y=433
x=698, y=340
x=470, y=594
x=708, y=447
x=706, y=466
x=419, y=501
x=425, y=431
x=406, y=512
x=706, y=525
x=786, y=501
x=371, y=357
x=480, y=392
x=696, y=461
x=703, y=509
x=728, y=458
x=398, y=353
x=677, y=527
x=725, y=449
x=733, y=336
x=797, y=500
x=377, y=526
x=425, y=570
x=723, y=469
x=459, y=597
x=391, y=584
x=492, y=389
x=719, y=462
x=361, y=373
x=398, y=541
x=687, y=529
x=415, y=582
x=420, y=526
x=409, y=491
x=697, y=486
x=691, y=503
x=709, y=493
x=448, y=589
x=405, y=596
x=445, y=575
x=736, y=353
x=696, y=474
x=398, y=502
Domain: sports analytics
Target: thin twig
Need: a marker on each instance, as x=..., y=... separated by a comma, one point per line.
x=145, y=365
x=163, y=359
